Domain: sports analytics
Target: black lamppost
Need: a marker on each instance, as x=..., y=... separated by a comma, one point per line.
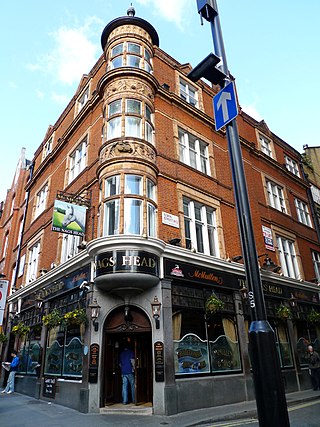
x=269, y=388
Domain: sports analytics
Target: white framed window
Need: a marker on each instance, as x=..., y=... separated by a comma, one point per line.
x=111, y=217
x=303, y=212
x=33, y=261
x=133, y=118
x=287, y=257
x=265, y=145
x=133, y=216
x=47, y=148
x=83, y=99
x=188, y=93
x=137, y=118
x=292, y=166
x=112, y=186
x=69, y=246
x=41, y=200
x=193, y=151
x=12, y=205
x=316, y=264
x=5, y=245
x=276, y=196
x=135, y=196
x=200, y=227
x=77, y=160
x=130, y=54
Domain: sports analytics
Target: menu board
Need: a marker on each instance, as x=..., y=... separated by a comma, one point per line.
x=49, y=387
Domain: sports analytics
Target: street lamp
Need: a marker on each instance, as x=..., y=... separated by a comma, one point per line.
x=95, y=311
x=269, y=388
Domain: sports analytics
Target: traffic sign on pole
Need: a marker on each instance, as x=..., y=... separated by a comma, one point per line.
x=225, y=106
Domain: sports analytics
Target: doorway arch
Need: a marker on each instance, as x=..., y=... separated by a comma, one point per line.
x=130, y=326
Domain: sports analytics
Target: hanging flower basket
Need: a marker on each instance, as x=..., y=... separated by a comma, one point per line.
x=21, y=329
x=314, y=316
x=283, y=312
x=76, y=317
x=53, y=319
x=3, y=338
x=214, y=304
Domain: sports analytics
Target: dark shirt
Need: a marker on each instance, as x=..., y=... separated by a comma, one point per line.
x=125, y=361
x=314, y=360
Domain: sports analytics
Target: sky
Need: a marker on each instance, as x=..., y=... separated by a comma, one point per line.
x=272, y=50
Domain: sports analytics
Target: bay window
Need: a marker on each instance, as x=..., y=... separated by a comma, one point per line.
x=130, y=54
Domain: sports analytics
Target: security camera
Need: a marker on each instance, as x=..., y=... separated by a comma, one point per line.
x=85, y=286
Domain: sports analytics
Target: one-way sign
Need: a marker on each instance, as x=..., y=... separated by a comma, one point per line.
x=225, y=106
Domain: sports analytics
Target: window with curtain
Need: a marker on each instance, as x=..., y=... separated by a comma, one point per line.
x=202, y=343
x=200, y=227
x=287, y=257
x=193, y=151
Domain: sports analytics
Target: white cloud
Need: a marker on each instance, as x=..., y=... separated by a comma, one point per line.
x=252, y=111
x=60, y=99
x=39, y=94
x=72, y=55
x=171, y=10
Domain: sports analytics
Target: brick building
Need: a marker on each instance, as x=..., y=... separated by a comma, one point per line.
x=130, y=207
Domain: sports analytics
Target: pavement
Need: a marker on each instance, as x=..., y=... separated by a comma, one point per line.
x=18, y=410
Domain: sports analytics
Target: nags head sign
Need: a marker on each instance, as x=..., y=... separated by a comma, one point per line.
x=69, y=218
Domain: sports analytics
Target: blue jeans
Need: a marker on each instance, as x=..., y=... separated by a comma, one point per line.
x=126, y=380
x=10, y=383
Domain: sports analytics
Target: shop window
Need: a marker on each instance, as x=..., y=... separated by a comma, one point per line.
x=30, y=353
x=282, y=344
x=306, y=334
x=193, y=151
x=202, y=344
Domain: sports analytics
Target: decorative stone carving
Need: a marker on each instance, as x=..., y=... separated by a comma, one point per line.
x=122, y=86
x=122, y=148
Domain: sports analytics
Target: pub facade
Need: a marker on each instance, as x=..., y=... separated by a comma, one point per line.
x=130, y=239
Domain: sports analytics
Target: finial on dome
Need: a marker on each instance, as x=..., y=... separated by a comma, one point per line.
x=131, y=11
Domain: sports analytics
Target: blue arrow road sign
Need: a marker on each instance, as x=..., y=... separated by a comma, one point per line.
x=225, y=106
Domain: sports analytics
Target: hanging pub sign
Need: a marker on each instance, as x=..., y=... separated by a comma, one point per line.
x=69, y=218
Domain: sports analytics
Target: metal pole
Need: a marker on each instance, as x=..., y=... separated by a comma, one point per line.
x=269, y=388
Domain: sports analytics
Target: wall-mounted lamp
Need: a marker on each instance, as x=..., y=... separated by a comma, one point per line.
x=175, y=242
x=95, y=311
x=293, y=302
x=244, y=292
x=269, y=265
x=156, y=307
x=38, y=301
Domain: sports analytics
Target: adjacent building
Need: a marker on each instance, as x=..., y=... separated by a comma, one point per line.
x=130, y=220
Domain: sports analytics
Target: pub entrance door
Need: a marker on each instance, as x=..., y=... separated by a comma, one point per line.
x=134, y=332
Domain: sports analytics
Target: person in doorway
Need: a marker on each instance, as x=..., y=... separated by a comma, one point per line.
x=127, y=374
x=314, y=367
x=13, y=369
